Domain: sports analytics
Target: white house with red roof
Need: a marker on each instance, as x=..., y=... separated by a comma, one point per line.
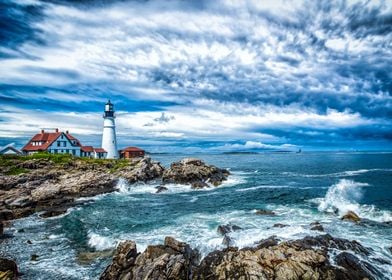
x=58, y=142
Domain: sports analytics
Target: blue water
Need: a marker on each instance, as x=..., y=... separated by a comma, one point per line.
x=300, y=188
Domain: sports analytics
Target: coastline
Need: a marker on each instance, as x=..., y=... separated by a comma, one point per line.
x=251, y=214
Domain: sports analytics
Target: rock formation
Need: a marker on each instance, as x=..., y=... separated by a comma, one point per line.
x=52, y=187
x=173, y=260
x=306, y=258
x=8, y=269
x=195, y=172
x=351, y=216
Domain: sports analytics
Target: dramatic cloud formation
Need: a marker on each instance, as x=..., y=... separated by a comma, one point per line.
x=193, y=75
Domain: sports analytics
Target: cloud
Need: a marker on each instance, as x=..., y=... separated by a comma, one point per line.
x=252, y=145
x=262, y=71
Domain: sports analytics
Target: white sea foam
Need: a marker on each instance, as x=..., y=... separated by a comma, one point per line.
x=342, y=197
x=348, y=173
x=124, y=188
x=345, y=196
x=100, y=242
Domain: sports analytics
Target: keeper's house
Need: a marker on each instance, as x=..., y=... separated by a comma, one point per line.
x=61, y=143
x=131, y=152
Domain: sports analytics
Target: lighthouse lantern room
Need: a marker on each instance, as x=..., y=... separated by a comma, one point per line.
x=109, y=142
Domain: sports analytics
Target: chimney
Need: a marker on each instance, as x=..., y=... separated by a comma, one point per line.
x=42, y=131
x=57, y=130
x=67, y=132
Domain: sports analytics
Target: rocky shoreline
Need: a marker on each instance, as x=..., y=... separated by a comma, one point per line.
x=319, y=257
x=50, y=184
x=51, y=188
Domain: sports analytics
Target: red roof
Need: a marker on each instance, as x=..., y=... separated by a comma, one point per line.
x=87, y=149
x=132, y=149
x=99, y=150
x=48, y=138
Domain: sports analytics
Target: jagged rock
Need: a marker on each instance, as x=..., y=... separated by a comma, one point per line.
x=53, y=212
x=195, y=172
x=316, y=226
x=8, y=269
x=173, y=260
x=1, y=228
x=327, y=241
x=34, y=257
x=161, y=189
x=123, y=259
x=351, y=216
x=29, y=242
x=199, y=185
x=141, y=170
x=278, y=225
x=227, y=240
x=355, y=268
x=265, y=212
x=86, y=258
x=306, y=258
x=266, y=243
x=6, y=215
x=224, y=229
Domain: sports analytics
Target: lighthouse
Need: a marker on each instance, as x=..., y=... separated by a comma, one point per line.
x=109, y=142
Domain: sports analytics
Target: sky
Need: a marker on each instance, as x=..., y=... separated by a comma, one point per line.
x=200, y=76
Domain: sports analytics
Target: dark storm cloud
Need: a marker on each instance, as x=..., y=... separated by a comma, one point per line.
x=16, y=27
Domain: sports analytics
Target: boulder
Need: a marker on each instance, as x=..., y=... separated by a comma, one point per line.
x=351, y=216
x=53, y=212
x=225, y=229
x=316, y=226
x=86, y=258
x=161, y=189
x=265, y=212
x=6, y=215
x=278, y=225
x=34, y=257
x=141, y=170
x=195, y=172
x=8, y=269
x=355, y=268
x=266, y=243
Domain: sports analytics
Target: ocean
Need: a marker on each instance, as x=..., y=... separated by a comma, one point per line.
x=299, y=188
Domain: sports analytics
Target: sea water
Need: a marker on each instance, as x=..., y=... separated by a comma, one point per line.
x=299, y=188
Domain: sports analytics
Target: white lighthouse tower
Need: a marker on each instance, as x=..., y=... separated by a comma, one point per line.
x=109, y=142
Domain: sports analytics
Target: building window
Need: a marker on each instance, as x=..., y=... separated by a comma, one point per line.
x=58, y=143
x=73, y=152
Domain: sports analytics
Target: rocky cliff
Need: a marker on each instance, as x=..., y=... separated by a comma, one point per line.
x=51, y=184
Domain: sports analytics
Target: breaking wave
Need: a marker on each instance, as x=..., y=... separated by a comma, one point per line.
x=99, y=242
x=345, y=196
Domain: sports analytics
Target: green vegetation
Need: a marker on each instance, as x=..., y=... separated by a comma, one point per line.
x=9, y=163
x=14, y=170
x=118, y=164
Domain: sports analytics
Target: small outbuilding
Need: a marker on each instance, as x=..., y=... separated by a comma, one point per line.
x=131, y=152
x=100, y=153
x=10, y=150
